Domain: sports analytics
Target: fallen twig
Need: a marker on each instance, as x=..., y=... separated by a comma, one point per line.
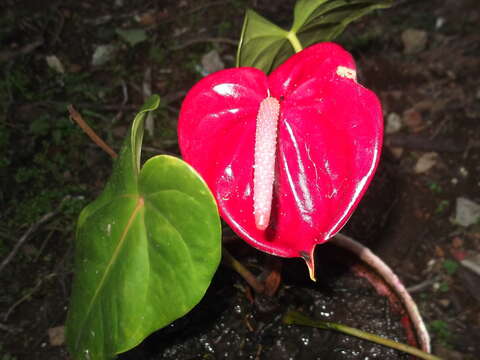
x=26, y=296
x=204, y=40
x=421, y=286
x=392, y=280
x=75, y=115
x=34, y=227
x=472, y=264
x=11, y=54
x=8, y=328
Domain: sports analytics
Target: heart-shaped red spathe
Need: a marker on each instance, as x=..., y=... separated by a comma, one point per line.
x=330, y=132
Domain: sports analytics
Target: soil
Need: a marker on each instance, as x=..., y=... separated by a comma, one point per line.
x=406, y=216
x=230, y=324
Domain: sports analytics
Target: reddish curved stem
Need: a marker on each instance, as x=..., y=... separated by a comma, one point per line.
x=392, y=280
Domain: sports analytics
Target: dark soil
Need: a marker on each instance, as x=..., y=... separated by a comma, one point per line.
x=406, y=217
x=229, y=324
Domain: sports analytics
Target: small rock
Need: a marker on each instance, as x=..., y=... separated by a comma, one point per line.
x=180, y=31
x=211, y=62
x=467, y=212
x=55, y=64
x=414, y=41
x=463, y=171
x=103, y=54
x=451, y=74
x=394, y=123
x=457, y=242
x=56, y=335
x=413, y=120
x=397, y=152
x=439, y=22
x=444, y=302
x=425, y=162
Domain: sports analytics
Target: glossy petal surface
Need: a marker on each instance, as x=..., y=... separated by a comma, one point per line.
x=330, y=132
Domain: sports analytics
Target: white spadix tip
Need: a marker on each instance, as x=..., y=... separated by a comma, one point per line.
x=264, y=161
x=261, y=221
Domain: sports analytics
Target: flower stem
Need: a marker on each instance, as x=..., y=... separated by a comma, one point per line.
x=236, y=265
x=297, y=46
x=296, y=318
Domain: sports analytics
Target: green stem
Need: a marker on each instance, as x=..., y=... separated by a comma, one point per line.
x=294, y=317
x=297, y=46
x=236, y=265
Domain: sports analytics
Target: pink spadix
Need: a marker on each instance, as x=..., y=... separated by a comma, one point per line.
x=264, y=165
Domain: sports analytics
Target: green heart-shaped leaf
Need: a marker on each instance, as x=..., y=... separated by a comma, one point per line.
x=146, y=251
x=264, y=45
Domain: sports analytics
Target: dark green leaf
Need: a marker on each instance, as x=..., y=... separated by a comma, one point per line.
x=324, y=20
x=261, y=42
x=264, y=45
x=132, y=36
x=146, y=251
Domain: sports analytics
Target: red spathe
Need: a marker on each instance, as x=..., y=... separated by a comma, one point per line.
x=330, y=132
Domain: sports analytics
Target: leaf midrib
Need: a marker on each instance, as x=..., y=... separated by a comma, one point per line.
x=140, y=204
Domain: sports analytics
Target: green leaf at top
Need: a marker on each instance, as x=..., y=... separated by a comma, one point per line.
x=264, y=45
x=146, y=251
x=261, y=43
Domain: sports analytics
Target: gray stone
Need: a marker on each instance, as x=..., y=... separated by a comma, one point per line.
x=467, y=212
x=414, y=41
x=394, y=123
x=211, y=62
x=425, y=162
x=103, y=54
x=54, y=63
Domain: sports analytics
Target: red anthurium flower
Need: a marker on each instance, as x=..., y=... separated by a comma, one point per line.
x=288, y=156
